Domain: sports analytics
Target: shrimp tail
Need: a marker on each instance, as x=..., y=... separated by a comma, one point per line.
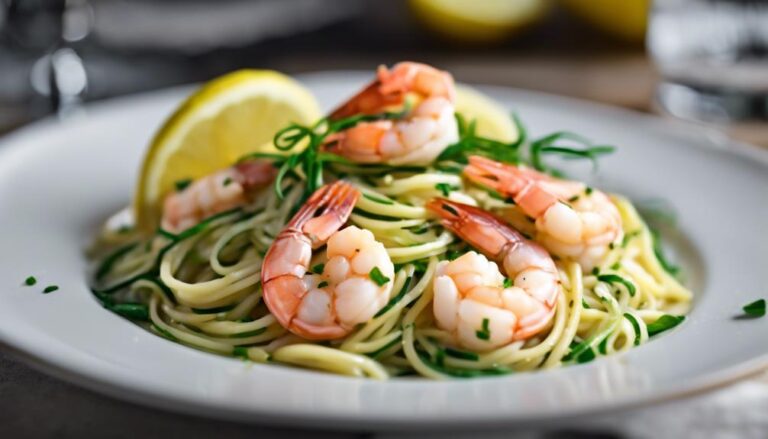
x=378, y=94
x=325, y=212
x=511, y=181
x=255, y=174
x=481, y=229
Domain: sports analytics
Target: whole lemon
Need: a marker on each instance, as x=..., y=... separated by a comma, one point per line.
x=478, y=21
x=626, y=19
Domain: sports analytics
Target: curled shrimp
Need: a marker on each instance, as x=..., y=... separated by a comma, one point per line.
x=215, y=193
x=471, y=299
x=356, y=279
x=419, y=137
x=572, y=220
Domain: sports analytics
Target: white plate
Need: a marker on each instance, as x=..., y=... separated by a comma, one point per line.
x=58, y=181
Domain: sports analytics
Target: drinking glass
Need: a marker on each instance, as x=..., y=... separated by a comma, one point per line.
x=713, y=58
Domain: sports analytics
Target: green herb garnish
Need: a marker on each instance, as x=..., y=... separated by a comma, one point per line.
x=445, y=188
x=322, y=284
x=132, y=311
x=378, y=200
x=616, y=279
x=180, y=185
x=241, y=352
x=377, y=276
x=664, y=323
x=755, y=309
x=659, y=252
x=318, y=269
x=227, y=181
x=216, y=310
x=586, y=356
x=573, y=199
x=30, y=281
x=485, y=332
x=455, y=353
x=635, y=326
x=50, y=289
x=508, y=282
x=584, y=304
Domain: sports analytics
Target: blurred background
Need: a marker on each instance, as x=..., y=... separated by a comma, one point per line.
x=703, y=60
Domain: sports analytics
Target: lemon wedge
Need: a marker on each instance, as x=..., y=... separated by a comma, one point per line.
x=225, y=119
x=492, y=120
x=478, y=21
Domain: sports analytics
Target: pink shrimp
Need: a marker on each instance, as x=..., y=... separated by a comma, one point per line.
x=419, y=137
x=471, y=301
x=356, y=278
x=572, y=220
x=215, y=193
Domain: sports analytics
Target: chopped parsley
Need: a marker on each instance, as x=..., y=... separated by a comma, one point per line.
x=445, y=188
x=595, y=271
x=616, y=265
x=452, y=254
x=755, y=309
x=588, y=191
x=182, y=184
x=508, y=282
x=377, y=276
x=664, y=323
x=227, y=181
x=573, y=199
x=318, y=269
x=30, y=281
x=485, y=332
x=50, y=289
x=603, y=346
x=586, y=356
x=616, y=279
x=322, y=284
x=584, y=304
x=239, y=351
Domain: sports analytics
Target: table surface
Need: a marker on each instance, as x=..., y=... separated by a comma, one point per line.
x=35, y=405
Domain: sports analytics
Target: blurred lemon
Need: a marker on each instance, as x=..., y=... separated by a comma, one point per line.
x=626, y=19
x=225, y=119
x=478, y=21
x=491, y=119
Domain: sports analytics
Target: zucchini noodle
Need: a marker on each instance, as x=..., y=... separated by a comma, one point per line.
x=202, y=287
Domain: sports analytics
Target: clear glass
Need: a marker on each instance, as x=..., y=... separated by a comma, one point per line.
x=713, y=58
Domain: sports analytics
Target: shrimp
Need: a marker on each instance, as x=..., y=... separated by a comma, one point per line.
x=356, y=279
x=215, y=193
x=471, y=300
x=416, y=139
x=571, y=220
